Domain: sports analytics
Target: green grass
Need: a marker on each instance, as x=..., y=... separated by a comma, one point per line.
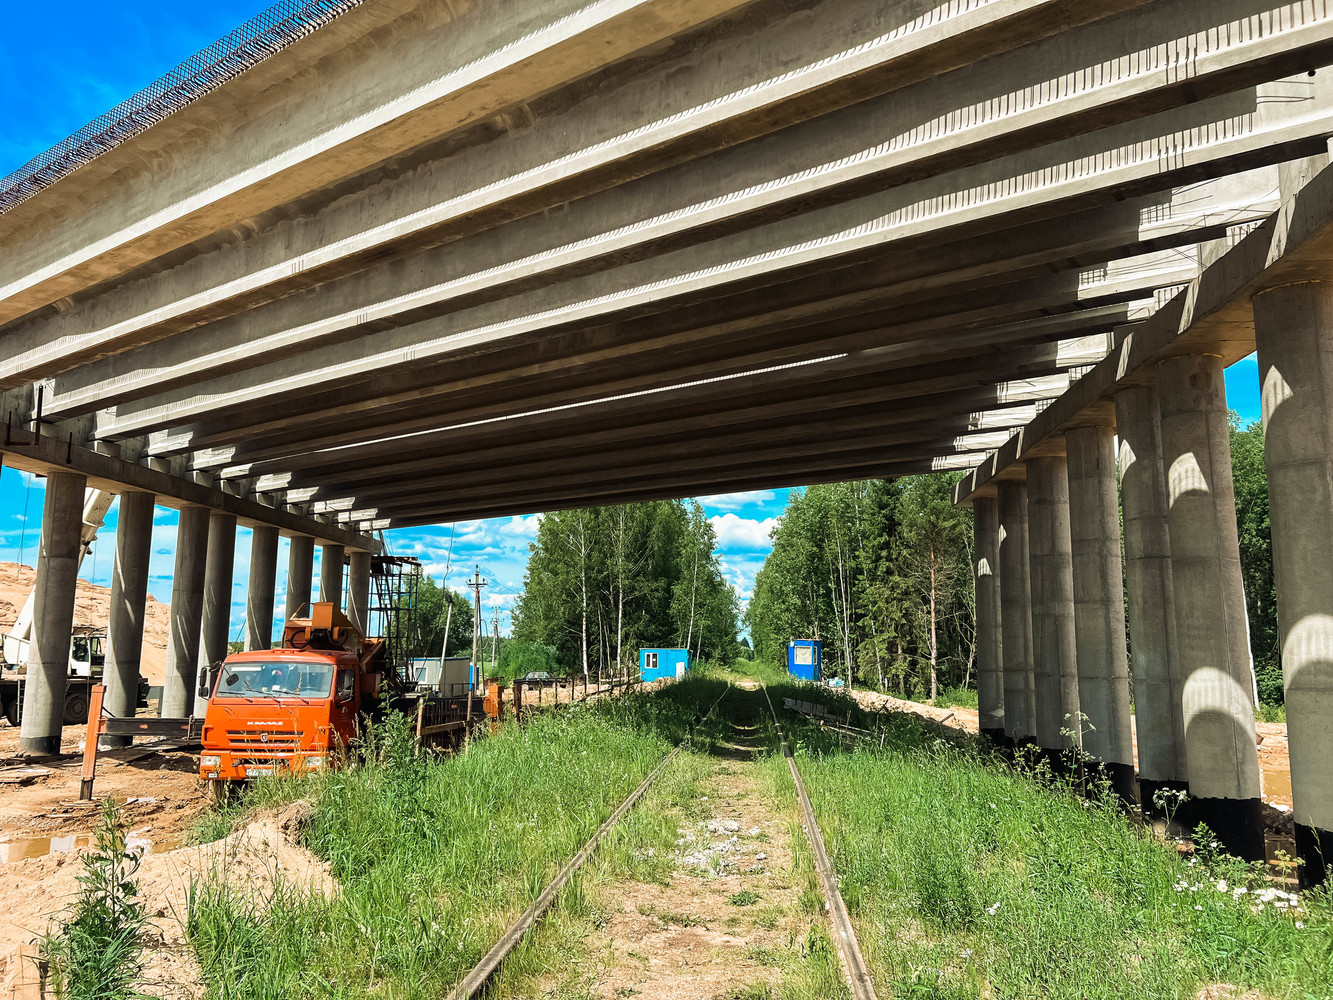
x=1265, y=712
x=968, y=879
x=745, y=897
x=436, y=855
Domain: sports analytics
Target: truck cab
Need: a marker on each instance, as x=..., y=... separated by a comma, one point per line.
x=292, y=708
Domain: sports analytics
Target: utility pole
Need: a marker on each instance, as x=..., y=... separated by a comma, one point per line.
x=476, y=583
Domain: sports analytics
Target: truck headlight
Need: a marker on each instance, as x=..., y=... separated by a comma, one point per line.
x=210, y=760
x=315, y=760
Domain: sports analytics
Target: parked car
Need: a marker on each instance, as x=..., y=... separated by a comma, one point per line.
x=537, y=677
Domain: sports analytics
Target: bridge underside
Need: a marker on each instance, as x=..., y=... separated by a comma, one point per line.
x=418, y=267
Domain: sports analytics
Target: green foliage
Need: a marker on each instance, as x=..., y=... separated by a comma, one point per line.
x=436, y=855
x=1256, y=555
x=966, y=878
x=96, y=954
x=604, y=581
x=746, y=897
x=880, y=573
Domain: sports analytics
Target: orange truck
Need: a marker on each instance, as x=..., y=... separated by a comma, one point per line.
x=292, y=708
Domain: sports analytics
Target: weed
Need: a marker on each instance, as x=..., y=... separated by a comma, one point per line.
x=96, y=954
x=745, y=897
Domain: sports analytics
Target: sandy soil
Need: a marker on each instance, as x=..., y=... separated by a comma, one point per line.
x=91, y=607
x=263, y=857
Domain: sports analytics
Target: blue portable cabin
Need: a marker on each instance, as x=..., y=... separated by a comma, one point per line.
x=805, y=659
x=655, y=664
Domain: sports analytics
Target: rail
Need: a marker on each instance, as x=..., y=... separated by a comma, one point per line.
x=477, y=978
x=849, y=949
x=264, y=35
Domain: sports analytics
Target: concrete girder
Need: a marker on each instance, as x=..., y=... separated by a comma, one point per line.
x=723, y=90
x=634, y=489
x=1153, y=222
x=310, y=116
x=1081, y=345
x=490, y=267
x=1168, y=149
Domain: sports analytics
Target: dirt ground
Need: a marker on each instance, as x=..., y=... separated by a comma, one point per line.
x=91, y=607
x=1274, y=763
x=252, y=859
x=689, y=939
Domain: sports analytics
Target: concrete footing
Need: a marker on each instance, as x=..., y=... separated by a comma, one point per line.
x=216, y=620
x=1211, y=627
x=1052, y=580
x=986, y=580
x=300, y=564
x=53, y=615
x=1099, y=605
x=1016, y=612
x=187, y=600
x=1150, y=600
x=260, y=596
x=129, y=593
x=1294, y=336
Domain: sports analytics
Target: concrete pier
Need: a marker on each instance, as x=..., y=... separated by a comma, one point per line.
x=1016, y=612
x=53, y=615
x=1099, y=605
x=358, y=590
x=187, y=599
x=1150, y=605
x=129, y=592
x=1294, y=335
x=331, y=574
x=218, y=576
x=1054, y=651
x=1211, y=627
x=300, y=563
x=260, y=595
x=986, y=579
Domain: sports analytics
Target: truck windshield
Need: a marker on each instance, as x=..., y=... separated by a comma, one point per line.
x=275, y=680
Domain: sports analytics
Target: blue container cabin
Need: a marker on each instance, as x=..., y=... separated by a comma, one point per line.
x=805, y=659
x=654, y=664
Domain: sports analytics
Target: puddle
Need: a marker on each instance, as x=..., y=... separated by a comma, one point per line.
x=1277, y=783
x=40, y=847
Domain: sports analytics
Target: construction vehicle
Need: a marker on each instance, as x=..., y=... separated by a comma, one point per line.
x=87, y=657
x=295, y=707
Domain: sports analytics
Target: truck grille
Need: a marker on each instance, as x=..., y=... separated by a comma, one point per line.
x=263, y=739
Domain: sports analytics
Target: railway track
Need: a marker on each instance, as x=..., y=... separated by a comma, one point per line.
x=844, y=935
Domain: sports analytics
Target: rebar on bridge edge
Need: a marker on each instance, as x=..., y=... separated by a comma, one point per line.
x=483, y=970
x=849, y=949
x=264, y=35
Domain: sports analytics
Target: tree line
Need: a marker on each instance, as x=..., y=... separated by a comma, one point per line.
x=602, y=582
x=880, y=573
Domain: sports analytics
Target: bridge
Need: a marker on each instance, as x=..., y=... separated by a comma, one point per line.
x=362, y=266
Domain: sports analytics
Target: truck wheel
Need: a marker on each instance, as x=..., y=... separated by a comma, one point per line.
x=11, y=709
x=76, y=707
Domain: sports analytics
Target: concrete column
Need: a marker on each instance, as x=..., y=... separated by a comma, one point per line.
x=986, y=577
x=300, y=561
x=1294, y=333
x=260, y=596
x=129, y=592
x=1099, y=604
x=1211, y=628
x=1159, y=680
x=331, y=574
x=219, y=574
x=187, y=601
x=1016, y=612
x=53, y=615
x=358, y=591
x=1054, y=653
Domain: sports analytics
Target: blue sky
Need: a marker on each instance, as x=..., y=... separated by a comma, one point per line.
x=52, y=82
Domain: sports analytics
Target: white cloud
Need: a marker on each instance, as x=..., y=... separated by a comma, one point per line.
x=735, y=501
x=522, y=527
x=742, y=533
